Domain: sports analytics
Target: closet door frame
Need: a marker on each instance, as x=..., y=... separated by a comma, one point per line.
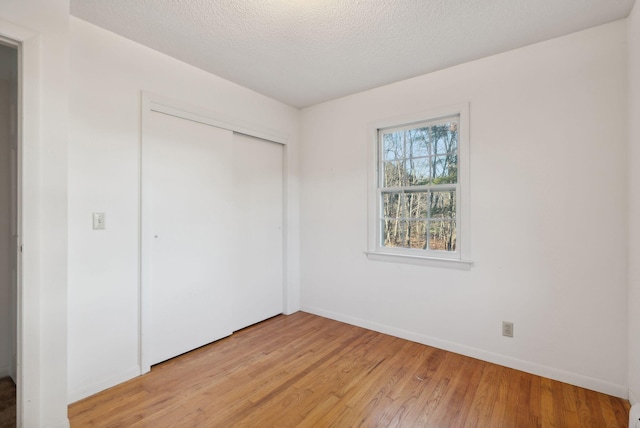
x=154, y=103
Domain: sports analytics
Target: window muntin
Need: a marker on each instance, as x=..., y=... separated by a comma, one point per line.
x=418, y=187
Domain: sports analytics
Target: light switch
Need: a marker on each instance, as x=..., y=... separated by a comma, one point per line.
x=98, y=221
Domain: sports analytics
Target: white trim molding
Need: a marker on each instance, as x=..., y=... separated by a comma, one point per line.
x=29, y=328
x=419, y=260
x=175, y=108
x=461, y=258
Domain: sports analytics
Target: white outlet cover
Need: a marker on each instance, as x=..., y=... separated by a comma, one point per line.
x=507, y=328
x=98, y=221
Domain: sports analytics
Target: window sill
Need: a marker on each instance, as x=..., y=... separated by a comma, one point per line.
x=419, y=260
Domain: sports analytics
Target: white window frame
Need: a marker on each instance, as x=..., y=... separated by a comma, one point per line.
x=459, y=259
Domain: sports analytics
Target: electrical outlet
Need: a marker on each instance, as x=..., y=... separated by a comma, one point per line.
x=507, y=329
x=98, y=221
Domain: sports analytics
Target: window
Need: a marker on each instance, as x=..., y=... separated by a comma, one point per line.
x=419, y=177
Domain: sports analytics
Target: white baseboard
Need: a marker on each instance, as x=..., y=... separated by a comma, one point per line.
x=62, y=424
x=634, y=416
x=84, y=391
x=632, y=398
x=576, y=379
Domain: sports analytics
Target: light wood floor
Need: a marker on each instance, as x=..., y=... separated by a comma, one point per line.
x=306, y=371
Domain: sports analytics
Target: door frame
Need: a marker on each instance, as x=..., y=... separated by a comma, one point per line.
x=155, y=103
x=14, y=208
x=28, y=328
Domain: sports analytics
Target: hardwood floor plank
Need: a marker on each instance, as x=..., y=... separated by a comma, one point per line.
x=434, y=402
x=306, y=371
x=620, y=409
x=595, y=411
x=421, y=360
x=317, y=359
x=321, y=410
x=535, y=399
x=422, y=384
x=448, y=412
x=484, y=396
x=338, y=416
x=557, y=393
x=607, y=411
x=570, y=409
x=514, y=400
x=528, y=414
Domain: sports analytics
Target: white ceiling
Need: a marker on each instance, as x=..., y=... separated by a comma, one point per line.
x=303, y=52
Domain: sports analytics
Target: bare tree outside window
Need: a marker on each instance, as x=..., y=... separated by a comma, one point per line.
x=418, y=178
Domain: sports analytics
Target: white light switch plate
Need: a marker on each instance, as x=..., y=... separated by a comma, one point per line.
x=98, y=221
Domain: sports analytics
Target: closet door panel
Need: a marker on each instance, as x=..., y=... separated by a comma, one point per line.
x=258, y=241
x=188, y=179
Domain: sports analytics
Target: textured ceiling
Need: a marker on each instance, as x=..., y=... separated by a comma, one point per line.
x=303, y=52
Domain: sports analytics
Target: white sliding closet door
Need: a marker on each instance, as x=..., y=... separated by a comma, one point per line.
x=258, y=240
x=188, y=223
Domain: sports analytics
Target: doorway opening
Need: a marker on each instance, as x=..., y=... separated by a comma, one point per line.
x=9, y=207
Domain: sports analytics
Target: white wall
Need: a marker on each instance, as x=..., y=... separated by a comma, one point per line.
x=548, y=212
x=634, y=203
x=42, y=26
x=108, y=74
x=5, y=233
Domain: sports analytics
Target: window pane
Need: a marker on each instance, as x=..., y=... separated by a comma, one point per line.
x=417, y=234
x=418, y=171
x=395, y=174
x=417, y=184
x=442, y=235
x=417, y=205
x=445, y=138
x=443, y=204
x=418, y=144
x=393, y=146
x=393, y=205
x=393, y=233
x=445, y=169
